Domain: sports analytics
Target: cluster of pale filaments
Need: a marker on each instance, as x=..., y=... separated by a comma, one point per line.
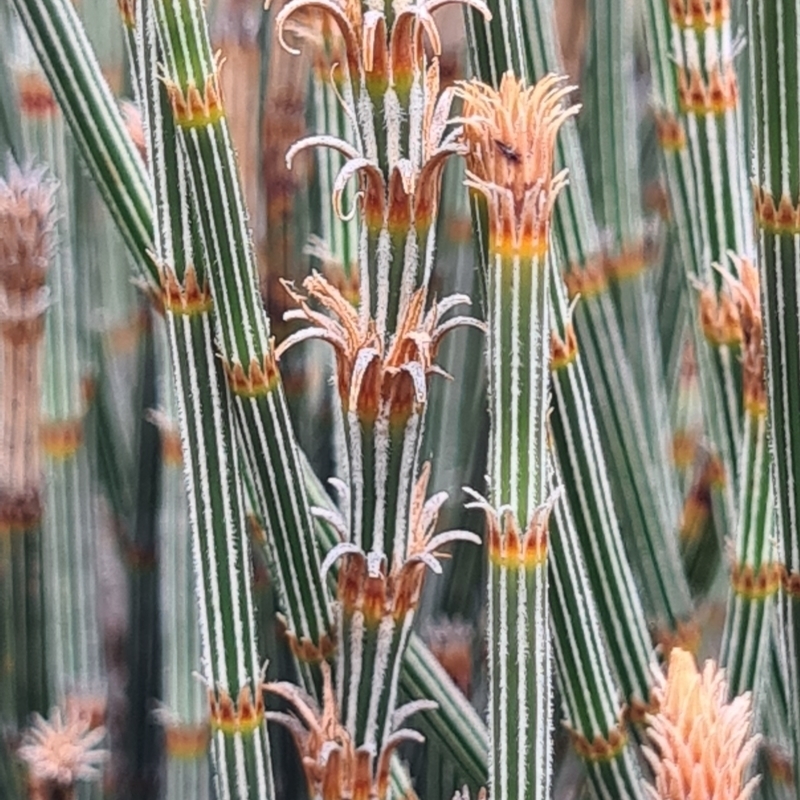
x=59, y=753
x=702, y=745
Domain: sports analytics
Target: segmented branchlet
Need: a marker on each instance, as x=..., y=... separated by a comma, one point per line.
x=696, y=101
x=581, y=465
x=385, y=349
x=773, y=31
x=386, y=548
x=241, y=327
x=755, y=575
x=622, y=413
x=27, y=222
x=399, y=116
x=211, y=464
x=69, y=559
x=510, y=137
x=454, y=724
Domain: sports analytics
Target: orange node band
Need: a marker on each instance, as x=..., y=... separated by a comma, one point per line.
x=756, y=584
x=61, y=440
x=187, y=742
x=600, y=748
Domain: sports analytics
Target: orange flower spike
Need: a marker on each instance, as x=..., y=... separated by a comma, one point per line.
x=702, y=744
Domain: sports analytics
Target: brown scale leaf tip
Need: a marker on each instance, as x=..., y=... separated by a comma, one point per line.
x=189, y=296
x=685, y=636
x=127, y=12
x=510, y=135
x=61, y=439
x=187, y=741
x=670, y=132
x=756, y=584
x=34, y=96
x=193, y=106
x=745, y=294
x=259, y=379
x=709, y=476
x=384, y=61
x=627, y=264
x=366, y=583
x=587, y=280
x=715, y=94
x=230, y=716
x=510, y=546
x=451, y=643
x=563, y=352
x=306, y=651
x=335, y=769
x=701, y=743
x=790, y=581
x=601, y=748
x=719, y=318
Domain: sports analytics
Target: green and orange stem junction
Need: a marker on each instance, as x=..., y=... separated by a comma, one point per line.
x=212, y=467
x=510, y=136
x=755, y=573
x=241, y=329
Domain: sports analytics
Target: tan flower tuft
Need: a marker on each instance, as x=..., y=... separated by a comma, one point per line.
x=26, y=229
x=60, y=754
x=511, y=135
x=702, y=743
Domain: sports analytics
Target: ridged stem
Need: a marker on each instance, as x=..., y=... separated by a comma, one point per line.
x=588, y=686
x=242, y=329
x=755, y=578
x=26, y=228
x=522, y=37
x=773, y=31
x=518, y=638
x=583, y=468
x=94, y=119
x=609, y=131
x=699, y=129
x=185, y=706
x=228, y=651
x=69, y=527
